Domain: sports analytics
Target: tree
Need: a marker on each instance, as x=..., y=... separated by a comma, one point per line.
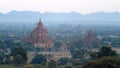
x=79, y=54
x=105, y=62
x=2, y=45
x=103, y=51
x=76, y=62
x=1, y=58
x=52, y=64
x=7, y=59
x=106, y=51
x=18, y=59
x=21, y=52
x=93, y=55
x=57, y=45
x=63, y=61
x=39, y=59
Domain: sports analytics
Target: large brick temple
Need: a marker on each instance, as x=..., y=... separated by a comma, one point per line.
x=39, y=37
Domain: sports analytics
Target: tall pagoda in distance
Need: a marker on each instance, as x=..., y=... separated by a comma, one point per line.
x=39, y=37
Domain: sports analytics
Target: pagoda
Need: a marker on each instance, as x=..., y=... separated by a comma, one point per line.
x=90, y=39
x=39, y=37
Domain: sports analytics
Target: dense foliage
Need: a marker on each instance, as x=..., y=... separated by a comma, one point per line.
x=52, y=64
x=39, y=59
x=63, y=61
x=19, y=54
x=105, y=62
x=103, y=51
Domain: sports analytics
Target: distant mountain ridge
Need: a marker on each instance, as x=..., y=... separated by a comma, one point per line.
x=29, y=16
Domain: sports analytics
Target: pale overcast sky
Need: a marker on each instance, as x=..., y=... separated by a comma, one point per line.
x=81, y=6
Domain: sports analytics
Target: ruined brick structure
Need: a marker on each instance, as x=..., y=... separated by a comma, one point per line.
x=39, y=37
x=90, y=39
x=63, y=47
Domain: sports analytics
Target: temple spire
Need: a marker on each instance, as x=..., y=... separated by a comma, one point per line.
x=40, y=22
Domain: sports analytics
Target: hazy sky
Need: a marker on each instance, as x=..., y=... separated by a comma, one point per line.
x=81, y=6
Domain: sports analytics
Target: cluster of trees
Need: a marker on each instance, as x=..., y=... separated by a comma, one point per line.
x=78, y=58
x=104, y=58
x=42, y=60
x=83, y=56
x=39, y=59
x=104, y=62
x=17, y=56
x=103, y=51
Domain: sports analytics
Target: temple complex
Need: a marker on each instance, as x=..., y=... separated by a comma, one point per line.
x=39, y=38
